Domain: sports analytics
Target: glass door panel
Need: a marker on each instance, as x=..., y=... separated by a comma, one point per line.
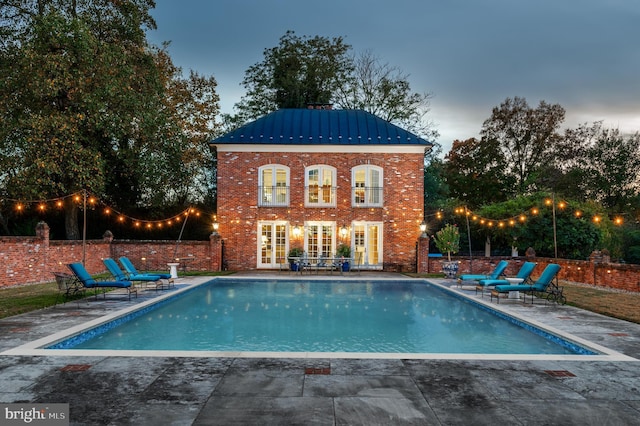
x=272, y=244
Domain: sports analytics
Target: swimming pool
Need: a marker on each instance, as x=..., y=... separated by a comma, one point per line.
x=363, y=316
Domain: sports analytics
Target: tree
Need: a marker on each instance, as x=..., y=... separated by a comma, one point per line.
x=436, y=190
x=384, y=90
x=447, y=240
x=611, y=169
x=46, y=107
x=298, y=72
x=577, y=235
x=318, y=70
x=595, y=163
x=525, y=137
x=474, y=171
x=88, y=104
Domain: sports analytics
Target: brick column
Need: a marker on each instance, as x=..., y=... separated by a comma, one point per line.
x=423, y=255
x=215, y=245
x=42, y=232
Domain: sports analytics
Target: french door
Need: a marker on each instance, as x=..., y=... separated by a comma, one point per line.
x=320, y=239
x=367, y=244
x=272, y=244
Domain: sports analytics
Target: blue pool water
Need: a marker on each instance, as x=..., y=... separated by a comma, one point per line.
x=321, y=316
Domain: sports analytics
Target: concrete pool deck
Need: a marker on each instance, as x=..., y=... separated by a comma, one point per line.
x=169, y=390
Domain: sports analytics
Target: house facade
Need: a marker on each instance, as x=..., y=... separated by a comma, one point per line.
x=315, y=179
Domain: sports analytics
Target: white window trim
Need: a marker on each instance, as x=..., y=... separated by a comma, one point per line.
x=331, y=224
x=261, y=184
x=365, y=260
x=333, y=188
x=367, y=184
x=272, y=223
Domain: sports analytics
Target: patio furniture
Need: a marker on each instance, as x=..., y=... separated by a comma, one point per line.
x=524, y=274
x=119, y=275
x=539, y=286
x=494, y=275
x=88, y=282
x=68, y=287
x=130, y=269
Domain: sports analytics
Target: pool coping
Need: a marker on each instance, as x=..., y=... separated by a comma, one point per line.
x=36, y=347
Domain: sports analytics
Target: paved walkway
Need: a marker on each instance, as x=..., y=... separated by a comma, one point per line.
x=115, y=390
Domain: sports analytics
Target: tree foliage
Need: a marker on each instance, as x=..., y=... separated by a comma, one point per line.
x=525, y=138
x=88, y=104
x=298, y=72
x=318, y=70
x=436, y=190
x=384, y=90
x=576, y=235
x=611, y=169
x=474, y=171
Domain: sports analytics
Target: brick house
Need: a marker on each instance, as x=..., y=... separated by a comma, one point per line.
x=314, y=179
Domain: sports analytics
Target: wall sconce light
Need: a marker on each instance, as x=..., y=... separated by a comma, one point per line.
x=343, y=231
x=215, y=225
x=423, y=229
x=296, y=231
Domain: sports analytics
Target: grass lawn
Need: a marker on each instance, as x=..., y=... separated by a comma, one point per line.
x=622, y=305
x=25, y=298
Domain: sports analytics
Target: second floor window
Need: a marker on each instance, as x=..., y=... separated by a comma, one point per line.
x=320, y=186
x=273, y=184
x=367, y=186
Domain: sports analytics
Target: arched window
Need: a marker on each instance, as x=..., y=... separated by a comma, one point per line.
x=366, y=186
x=273, y=189
x=320, y=186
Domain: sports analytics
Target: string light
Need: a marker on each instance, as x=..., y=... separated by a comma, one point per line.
x=522, y=217
x=93, y=201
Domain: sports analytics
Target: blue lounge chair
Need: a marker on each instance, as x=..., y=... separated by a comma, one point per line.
x=119, y=275
x=130, y=269
x=494, y=275
x=524, y=274
x=539, y=286
x=87, y=280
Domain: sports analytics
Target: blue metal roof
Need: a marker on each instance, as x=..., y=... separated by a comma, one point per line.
x=320, y=127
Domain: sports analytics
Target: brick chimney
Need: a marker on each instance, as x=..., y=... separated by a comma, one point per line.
x=319, y=106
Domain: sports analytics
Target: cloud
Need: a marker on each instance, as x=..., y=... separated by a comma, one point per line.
x=470, y=54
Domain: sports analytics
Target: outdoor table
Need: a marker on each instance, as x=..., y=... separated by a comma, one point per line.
x=317, y=263
x=514, y=281
x=173, y=269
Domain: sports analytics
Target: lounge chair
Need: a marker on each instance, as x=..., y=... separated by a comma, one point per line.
x=119, y=275
x=68, y=287
x=523, y=276
x=88, y=282
x=130, y=269
x=539, y=286
x=494, y=275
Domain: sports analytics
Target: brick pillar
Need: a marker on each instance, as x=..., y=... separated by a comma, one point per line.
x=423, y=255
x=215, y=245
x=42, y=232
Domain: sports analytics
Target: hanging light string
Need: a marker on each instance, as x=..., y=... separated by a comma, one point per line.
x=527, y=215
x=42, y=205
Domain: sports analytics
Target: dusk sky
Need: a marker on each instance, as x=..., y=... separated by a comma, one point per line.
x=470, y=54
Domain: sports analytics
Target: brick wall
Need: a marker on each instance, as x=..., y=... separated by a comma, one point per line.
x=34, y=259
x=601, y=274
x=238, y=212
x=25, y=260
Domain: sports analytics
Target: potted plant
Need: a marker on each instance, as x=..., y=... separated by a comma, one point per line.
x=294, y=254
x=447, y=240
x=344, y=251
